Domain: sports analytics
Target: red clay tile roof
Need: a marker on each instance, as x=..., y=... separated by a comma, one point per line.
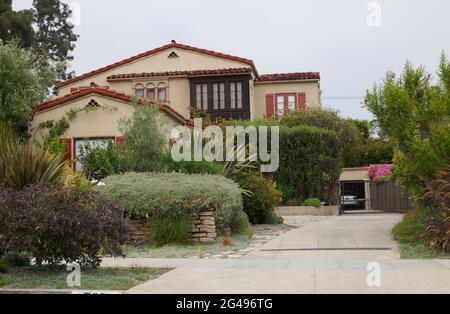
x=299, y=76
x=229, y=71
x=155, y=51
x=104, y=91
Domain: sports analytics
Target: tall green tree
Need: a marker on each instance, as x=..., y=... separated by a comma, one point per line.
x=348, y=133
x=413, y=110
x=16, y=24
x=143, y=138
x=55, y=35
x=21, y=85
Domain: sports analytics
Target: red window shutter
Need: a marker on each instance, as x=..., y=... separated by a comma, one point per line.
x=270, y=105
x=68, y=148
x=301, y=99
x=120, y=140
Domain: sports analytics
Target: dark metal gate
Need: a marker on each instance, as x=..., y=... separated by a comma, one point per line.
x=359, y=197
x=353, y=197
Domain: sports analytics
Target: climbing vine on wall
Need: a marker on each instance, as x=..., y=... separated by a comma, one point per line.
x=56, y=129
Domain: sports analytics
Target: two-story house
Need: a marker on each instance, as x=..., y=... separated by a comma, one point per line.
x=177, y=77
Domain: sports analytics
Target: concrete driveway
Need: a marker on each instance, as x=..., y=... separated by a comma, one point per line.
x=329, y=256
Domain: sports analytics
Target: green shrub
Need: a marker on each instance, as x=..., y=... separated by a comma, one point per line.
x=410, y=230
x=273, y=219
x=4, y=268
x=310, y=158
x=262, y=200
x=437, y=225
x=375, y=152
x=144, y=141
x=55, y=225
x=312, y=202
x=99, y=162
x=347, y=132
x=413, y=110
x=14, y=260
x=240, y=222
x=287, y=192
x=170, y=230
x=172, y=194
x=22, y=164
x=310, y=163
x=191, y=167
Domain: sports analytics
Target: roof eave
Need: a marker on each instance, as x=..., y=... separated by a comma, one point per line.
x=287, y=81
x=153, y=52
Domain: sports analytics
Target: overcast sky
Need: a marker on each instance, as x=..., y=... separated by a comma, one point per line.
x=350, y=44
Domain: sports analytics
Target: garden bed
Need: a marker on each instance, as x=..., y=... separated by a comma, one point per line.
x=241, y=244
x=47, y=277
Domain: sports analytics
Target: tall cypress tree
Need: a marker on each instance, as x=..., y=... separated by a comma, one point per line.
x=16, y=24
x=55, y=36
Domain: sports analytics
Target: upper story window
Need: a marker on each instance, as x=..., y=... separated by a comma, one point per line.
x=162, y=92
x=219, y=96
x=139, y=91
x=225, y=97
x=201, y=91
x=152, y=92
x=236, y=97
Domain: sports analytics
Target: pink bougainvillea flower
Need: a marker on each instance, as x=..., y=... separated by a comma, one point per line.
x=383, y=173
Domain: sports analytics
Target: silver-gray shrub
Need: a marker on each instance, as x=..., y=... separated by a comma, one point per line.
x=161, y=195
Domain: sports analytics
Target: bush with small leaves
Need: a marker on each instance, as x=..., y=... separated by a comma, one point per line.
x=59, y=224
x=161, y=195
x=312, y=202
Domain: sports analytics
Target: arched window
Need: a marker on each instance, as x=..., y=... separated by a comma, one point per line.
x=162, y=92
x=139, y=91
x=151, y=91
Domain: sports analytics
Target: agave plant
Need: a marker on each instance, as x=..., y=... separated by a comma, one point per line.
x=22, y=164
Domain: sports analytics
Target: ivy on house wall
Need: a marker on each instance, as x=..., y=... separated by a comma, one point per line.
x=57, y=129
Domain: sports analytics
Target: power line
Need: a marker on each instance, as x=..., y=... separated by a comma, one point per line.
x=344, y=97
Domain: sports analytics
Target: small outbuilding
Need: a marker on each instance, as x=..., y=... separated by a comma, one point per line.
x=362, y=194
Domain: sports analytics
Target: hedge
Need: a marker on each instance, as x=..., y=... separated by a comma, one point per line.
x=310, y=162
x=162, y=195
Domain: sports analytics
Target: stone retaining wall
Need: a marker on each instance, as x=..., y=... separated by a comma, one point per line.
x=139, y=231
x=203, y=227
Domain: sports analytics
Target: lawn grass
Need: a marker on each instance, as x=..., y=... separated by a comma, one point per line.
x=47, y=277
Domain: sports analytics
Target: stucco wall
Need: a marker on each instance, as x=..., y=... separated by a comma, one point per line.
x=99, y=123
x=177, y=92
x=312, y=90
x=355, y=174
x=160, y=62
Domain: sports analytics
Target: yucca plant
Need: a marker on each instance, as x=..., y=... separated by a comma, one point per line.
x=22, y=164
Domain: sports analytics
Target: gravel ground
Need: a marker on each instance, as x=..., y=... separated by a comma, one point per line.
x=300, y=221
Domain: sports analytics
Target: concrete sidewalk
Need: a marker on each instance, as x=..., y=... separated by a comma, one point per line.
x=329, y=256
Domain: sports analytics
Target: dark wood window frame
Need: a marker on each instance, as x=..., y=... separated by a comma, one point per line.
x=227, y=112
